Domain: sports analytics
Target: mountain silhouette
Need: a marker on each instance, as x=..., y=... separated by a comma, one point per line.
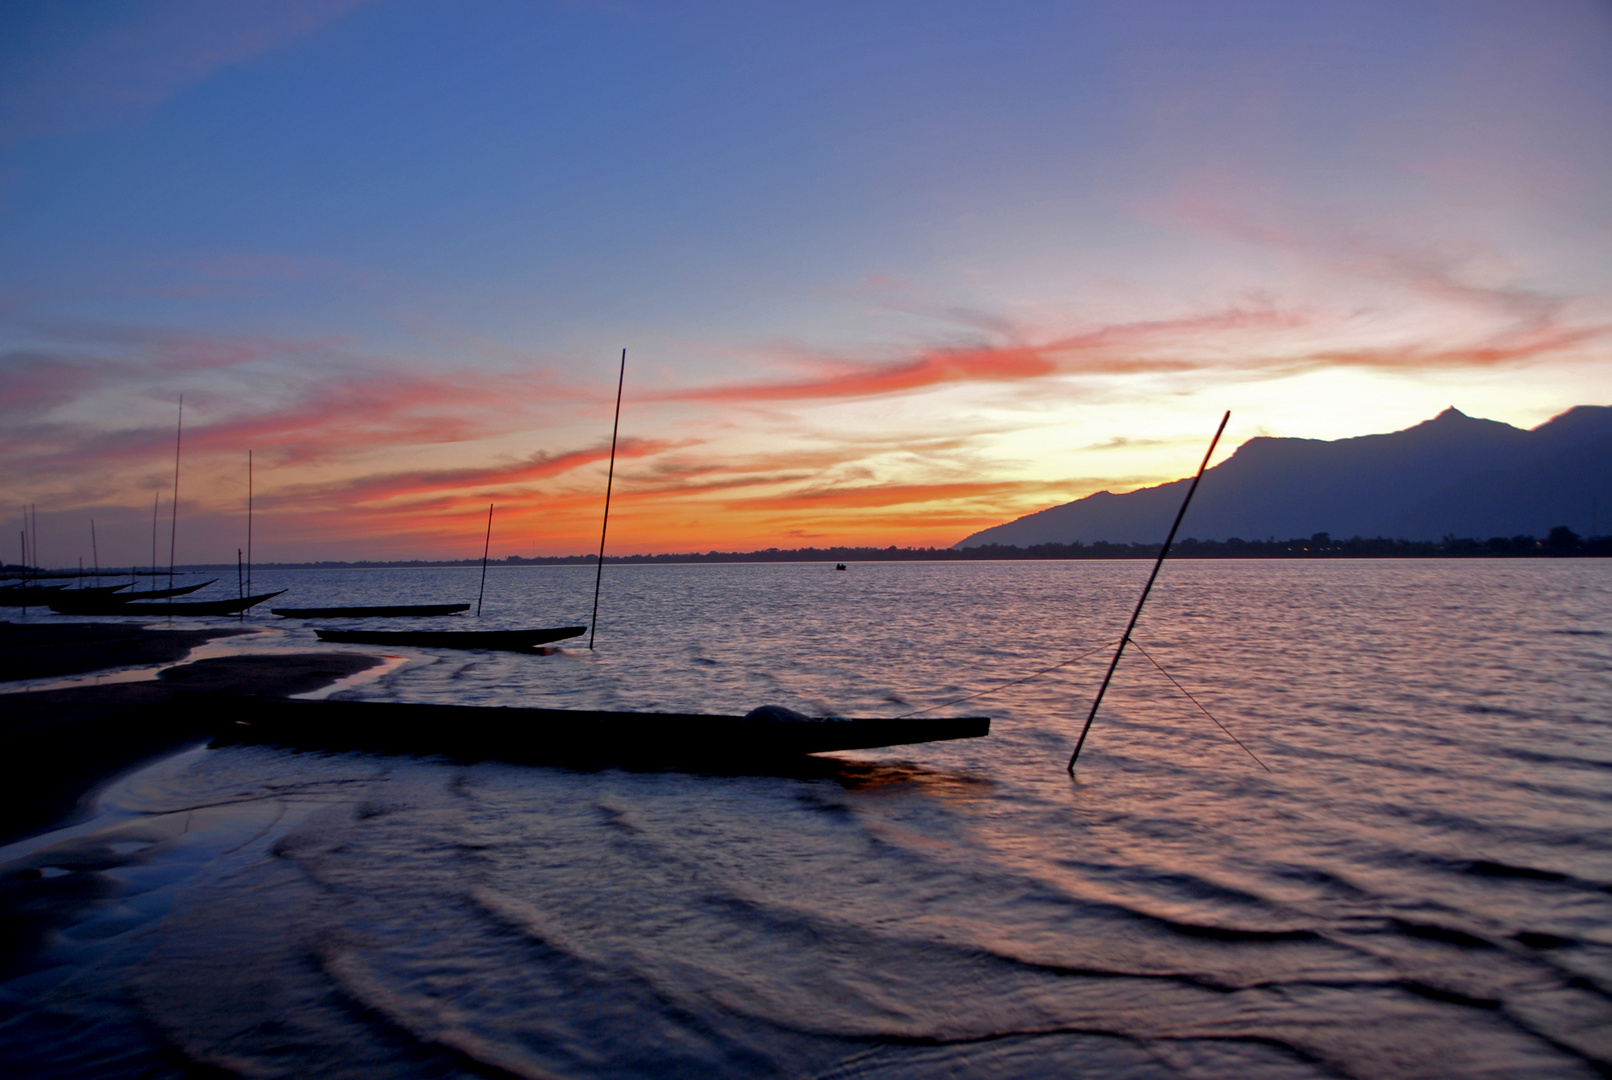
x=1453, y=474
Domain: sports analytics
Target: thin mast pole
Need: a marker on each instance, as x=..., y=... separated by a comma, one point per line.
x=173, y=528
x=484, y=550
x=249, y=522
x=35, y=547
x=1165, y=550
x=95, y=550
x=610, y=479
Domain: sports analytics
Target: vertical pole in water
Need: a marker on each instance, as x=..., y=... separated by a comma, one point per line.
x=249, y=521
x=173, y=528
x=23, y=536
x=484, y=549
x=598, y=575
x=156, y=500
x=95, y=550
x=1165, y=550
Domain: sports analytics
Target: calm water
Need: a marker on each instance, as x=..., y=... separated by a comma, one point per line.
x=1421, y=886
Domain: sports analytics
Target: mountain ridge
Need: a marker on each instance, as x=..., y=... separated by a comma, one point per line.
x=1451, y=474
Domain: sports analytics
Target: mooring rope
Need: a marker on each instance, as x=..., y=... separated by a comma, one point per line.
x=1004, y=686
x=1198, y=703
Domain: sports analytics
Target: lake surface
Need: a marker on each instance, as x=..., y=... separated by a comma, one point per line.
x=1420, y=887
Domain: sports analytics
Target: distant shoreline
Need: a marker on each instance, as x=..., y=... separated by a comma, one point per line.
x=1561, y=543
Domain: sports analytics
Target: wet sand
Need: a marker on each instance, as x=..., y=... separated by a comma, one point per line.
x=59, y=746
x=44, y=651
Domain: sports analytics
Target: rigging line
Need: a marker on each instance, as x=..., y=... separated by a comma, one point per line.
x=1198, y=703
x=1004, y=686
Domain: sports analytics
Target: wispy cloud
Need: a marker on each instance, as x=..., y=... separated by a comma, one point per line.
x=137, y=57
x=1124, y=348
x=439, y=487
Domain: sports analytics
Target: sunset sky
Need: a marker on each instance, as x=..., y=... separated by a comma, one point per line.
x=886, y=273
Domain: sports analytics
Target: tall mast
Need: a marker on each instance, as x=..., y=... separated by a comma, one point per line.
x=173, y=528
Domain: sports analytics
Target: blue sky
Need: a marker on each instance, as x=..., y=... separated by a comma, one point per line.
x=886, y=273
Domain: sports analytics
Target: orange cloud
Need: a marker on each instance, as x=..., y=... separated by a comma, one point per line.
x=452, y=486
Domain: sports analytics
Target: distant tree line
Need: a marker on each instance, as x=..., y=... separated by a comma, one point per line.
x=1561, y=542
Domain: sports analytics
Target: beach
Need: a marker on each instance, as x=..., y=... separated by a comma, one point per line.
x=61, y=744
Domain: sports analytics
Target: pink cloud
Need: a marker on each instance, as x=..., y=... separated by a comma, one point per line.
x=450, y=485
x=1124, y=348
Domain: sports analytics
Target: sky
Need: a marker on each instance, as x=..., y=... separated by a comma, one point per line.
x=884, y=273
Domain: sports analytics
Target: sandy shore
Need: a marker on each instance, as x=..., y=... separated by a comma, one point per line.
x=58, y=746
x=48, y=650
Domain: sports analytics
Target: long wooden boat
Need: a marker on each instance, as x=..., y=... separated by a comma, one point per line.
x=566, y=736
x=519, y=640
x=75, y=601
x=29, y=595
x=162, y=609
x=163, y=594
x=394, y=611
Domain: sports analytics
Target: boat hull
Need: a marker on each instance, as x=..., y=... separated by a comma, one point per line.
x=519, y=640
x=163, y=610
x=395, y=611
x=76, y=602
x=565, y=736
x=29, y=595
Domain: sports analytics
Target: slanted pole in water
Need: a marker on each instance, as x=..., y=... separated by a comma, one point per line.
x=485, y=548
x=249, y=521
x=1165, y=550
x=598, y=574
x=173, y=528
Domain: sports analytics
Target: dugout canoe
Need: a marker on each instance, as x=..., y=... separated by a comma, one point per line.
x=184, y=609
x=163, y=594
x=76, y=601
x=519, y=640
x=29, y=595
x=567, y=736
x=395, y=611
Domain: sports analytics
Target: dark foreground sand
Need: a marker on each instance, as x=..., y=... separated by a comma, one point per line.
x=58, y=746
x=51, y=650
